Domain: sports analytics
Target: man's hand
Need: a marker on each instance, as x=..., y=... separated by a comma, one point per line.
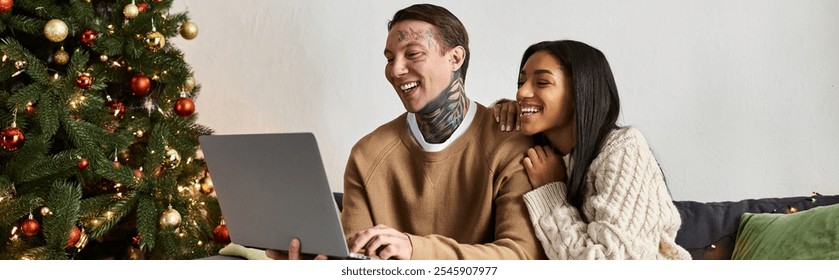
x=383, y=242
x=507, y=113
x=293, y=252
x=544, y=166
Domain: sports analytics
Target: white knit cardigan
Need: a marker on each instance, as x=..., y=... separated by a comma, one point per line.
x=629, y=209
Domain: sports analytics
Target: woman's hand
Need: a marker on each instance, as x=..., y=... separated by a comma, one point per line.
x=507, y=113
x=543, y=166
x=293, y=252
x=383, y=242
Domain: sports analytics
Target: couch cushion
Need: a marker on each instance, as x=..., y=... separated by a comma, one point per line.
x=704, y=224
x=805, y=235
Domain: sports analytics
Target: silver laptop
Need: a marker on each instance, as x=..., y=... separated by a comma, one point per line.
x=272, y=188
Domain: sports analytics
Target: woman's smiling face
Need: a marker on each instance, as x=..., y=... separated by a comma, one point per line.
x=545, y=96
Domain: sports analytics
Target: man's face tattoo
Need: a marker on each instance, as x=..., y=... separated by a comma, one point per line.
x=426, y=78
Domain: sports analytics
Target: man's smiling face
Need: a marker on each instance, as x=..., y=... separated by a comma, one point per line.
x=418, y=67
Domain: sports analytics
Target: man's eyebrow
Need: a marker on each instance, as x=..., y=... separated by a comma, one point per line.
x=405, y=46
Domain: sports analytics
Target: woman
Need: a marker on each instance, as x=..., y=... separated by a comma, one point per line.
x=599, y=192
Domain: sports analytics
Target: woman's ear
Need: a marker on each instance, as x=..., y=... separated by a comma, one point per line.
x=456, y=57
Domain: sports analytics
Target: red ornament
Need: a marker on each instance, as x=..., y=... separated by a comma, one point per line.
x=140, y=84
x=30, y=227
x=117, y=109
x=6, y=6
x=83, y=163
x=84, y=81
x=142, y=7
x=135, y=240
x=75, y=236
x=30, y=109
x=88, y=36
x=184, y=107
x=220, y=234
x=11, y=138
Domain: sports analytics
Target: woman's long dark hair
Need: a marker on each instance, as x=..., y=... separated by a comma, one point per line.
x=596, y=104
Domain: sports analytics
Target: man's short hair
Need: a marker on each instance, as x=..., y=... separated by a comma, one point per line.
x=449, y=28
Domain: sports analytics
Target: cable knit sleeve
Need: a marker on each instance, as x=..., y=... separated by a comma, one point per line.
x=630, y=212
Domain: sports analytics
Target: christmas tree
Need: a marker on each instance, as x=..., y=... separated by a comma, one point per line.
x=99, y=135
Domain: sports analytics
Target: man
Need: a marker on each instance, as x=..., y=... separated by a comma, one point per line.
x=440, y=181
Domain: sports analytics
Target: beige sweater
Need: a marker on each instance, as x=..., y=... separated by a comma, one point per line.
x=630, y=212
x=463, y=202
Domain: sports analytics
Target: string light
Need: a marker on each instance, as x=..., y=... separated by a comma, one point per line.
x=790, y=209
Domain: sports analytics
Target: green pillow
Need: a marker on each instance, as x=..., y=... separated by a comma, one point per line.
x=805, y=235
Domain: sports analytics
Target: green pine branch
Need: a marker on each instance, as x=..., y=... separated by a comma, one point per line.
x=48, y=166
x=26, y=24
x=147, y=220
x=64, y=201
x=49, y=113
x=112, y=215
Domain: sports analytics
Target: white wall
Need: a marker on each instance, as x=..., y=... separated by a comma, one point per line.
x=738, y=99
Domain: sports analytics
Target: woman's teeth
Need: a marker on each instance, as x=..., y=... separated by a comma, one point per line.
x=530, y=110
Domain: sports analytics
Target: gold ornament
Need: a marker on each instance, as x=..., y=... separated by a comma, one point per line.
x=170, y=218
x=189, y=84
x=189, y=30
x=138, y=134
x=56, y=30
x=131, y=11
x=61, y=57
x=45, y=211
x=207, y=185
x=171, y=158
x=83, y=239
x=155, y=41
x=20, y=64
x=136, y=253
x=103, y=57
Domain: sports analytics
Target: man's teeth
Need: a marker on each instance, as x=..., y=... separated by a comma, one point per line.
x=409, y=86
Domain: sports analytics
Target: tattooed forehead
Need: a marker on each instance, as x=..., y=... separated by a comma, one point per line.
x=415, y=34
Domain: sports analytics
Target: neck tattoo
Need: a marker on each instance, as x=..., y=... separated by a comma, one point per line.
x=438, y=120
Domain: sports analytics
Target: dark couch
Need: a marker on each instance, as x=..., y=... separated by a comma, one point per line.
x=709, y=230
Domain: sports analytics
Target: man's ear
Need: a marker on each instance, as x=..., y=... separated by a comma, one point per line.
x=456, y=57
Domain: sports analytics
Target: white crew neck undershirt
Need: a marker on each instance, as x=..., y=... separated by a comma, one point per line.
x=432, y=147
